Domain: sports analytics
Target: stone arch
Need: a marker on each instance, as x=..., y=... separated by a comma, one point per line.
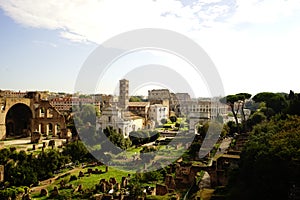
x=50, y=128
x=209, y=179
x=57, y=129
x=18, y=120
x=195, y=118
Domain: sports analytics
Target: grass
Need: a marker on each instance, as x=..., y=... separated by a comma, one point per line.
x=169, y=124
x=170, y=151
x=87, y=182
x=131, y=151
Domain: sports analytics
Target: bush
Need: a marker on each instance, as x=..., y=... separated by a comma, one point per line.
x=163, y=121
x=173, y=119
x=11, y=193
x=167, y=126
x=143, y=137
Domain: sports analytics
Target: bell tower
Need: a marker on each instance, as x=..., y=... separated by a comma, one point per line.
x=124, y=94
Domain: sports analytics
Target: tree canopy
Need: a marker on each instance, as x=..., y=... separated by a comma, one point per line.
x=236, y=102
x=275, y=102
x=135, y=99
x=270, y=161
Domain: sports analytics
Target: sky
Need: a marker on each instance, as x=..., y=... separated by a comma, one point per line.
x=254, y=44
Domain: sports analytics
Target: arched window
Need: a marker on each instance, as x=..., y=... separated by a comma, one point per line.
x=41, y=113
x=49, y=113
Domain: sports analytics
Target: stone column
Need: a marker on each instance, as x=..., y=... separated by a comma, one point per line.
x=47, y=129
x=1, y=173
x=54, y=129
x=40, y=128
x=2, y=131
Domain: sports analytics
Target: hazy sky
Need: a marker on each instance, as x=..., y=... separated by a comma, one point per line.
x=254, y=44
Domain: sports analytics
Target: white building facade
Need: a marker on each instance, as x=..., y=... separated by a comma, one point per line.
x=157, y=112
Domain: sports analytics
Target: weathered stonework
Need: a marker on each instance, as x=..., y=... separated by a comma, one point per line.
x=1, y=173
x=41, y=116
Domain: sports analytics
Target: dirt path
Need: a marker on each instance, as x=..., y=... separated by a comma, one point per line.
x=205, y=182
x=45, y=183
x=224, y=146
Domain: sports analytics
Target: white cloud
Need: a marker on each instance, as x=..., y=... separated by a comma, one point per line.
x=44, y=43
x=73, y=37
x=97, y=20
x=264, y=11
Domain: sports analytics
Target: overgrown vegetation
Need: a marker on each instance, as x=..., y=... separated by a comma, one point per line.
x=270, y=161
x=269, y=167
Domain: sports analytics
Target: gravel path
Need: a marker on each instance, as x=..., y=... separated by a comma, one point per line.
x=45, y=183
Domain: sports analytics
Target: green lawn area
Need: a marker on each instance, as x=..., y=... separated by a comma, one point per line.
x=88, y=181
x=169, y=124
x=132, y=151
x=164, y=154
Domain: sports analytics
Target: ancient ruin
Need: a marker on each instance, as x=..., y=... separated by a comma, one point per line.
x=22, y=114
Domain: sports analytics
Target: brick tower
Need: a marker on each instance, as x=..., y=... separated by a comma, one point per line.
x=124, y=94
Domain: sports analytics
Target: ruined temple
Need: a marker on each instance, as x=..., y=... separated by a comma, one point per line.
x=22, y=113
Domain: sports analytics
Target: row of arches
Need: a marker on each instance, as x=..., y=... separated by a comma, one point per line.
x=48, y=128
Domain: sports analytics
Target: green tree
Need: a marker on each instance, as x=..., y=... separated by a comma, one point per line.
x=164, y=121
x=117, y=138
x=135, y=99
x=76, y=150
x=232, y=127
x=269, y=164
x=275, y=103
x=293, y=103
x=88, y=114
x=4, y=156
x=153, y=176
x=236, y=102
x=135, y=186
x=242, y=98
x=202, y=129
x=173, y=118
x=257, y=118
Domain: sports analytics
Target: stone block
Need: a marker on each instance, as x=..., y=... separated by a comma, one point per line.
x=161, y=190
x=44, y=192
x=36, y=137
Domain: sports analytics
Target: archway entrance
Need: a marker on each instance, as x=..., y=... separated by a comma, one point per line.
x=18, y=121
